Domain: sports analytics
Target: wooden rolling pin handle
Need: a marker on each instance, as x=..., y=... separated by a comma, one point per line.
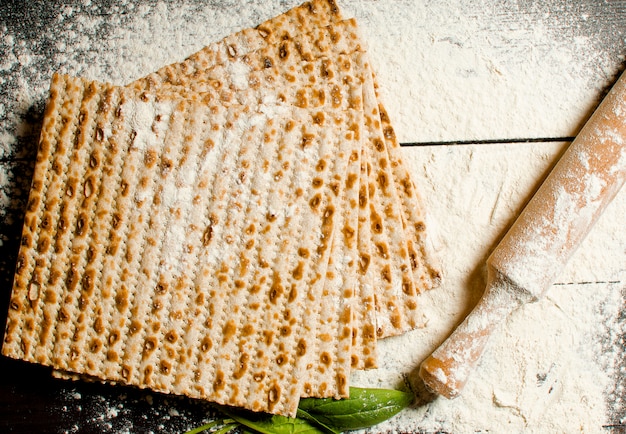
x=445, y=371
x=536, y=248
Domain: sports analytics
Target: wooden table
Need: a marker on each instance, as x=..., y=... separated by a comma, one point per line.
x=456, y=77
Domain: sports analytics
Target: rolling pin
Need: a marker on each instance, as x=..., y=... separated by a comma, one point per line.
x=536, y=248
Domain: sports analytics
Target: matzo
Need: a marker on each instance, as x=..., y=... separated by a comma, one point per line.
x=397, y=304
x=329, y=302
x=247, y=59
x=286, y=82
x=250, y=84
x=143, y=323
x=273, y=83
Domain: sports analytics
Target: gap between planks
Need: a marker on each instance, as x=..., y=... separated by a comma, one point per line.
x=488, y=141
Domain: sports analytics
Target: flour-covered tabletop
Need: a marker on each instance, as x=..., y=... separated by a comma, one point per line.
x=484, y=98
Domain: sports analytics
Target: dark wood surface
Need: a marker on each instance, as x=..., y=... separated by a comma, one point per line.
x=30, y=399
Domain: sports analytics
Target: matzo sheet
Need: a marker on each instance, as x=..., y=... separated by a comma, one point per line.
x=368, y=287
x=158, y=308
x=405, y=264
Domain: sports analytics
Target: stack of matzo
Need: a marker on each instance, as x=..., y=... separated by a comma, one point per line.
x=238, y=227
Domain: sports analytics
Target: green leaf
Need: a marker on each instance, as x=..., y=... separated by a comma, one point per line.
x=364, y=408
x=227, y=425
x=306, y=416
x=227, y=428
x=270, y=424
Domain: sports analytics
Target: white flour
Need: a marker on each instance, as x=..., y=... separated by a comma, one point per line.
x=452, y=71
x=447, y=73
x=549, y=366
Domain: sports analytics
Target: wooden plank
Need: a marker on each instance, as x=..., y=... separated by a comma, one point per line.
x=492, y=70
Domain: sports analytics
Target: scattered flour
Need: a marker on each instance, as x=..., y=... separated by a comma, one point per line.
x=449, y=71
x=552, y=365
x=454, y=70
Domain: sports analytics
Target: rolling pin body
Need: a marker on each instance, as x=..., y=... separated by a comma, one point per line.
x=543, y=238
